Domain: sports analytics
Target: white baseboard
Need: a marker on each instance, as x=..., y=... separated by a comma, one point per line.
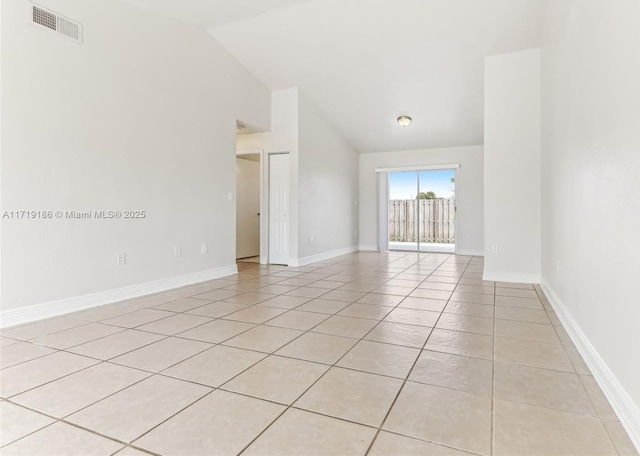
x=13, y=317
x=627, y=410
x=479, y=253
x=368, y=248
x=322, y=256
x=512, y=277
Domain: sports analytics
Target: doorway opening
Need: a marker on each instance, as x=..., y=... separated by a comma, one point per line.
x=422, y=210
x=248, y=202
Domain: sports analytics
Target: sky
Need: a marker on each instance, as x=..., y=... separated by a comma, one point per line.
x=404, y=185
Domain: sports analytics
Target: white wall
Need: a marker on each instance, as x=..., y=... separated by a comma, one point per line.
x=469, y=191
x=591, y=187
x=328, y=188
x=247, y=207
x=283, y=137
x=512, y=167
x=128, y=120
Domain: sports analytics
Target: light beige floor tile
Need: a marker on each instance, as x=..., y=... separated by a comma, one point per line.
x=277, y=289
x=22, y=377
x=598, y=399
x=217, y=309
x=174, y=324
x=320, y=348
x=620, y=439
x=345, y=326
x=399, y=334
x=467, y=308
x=413, y=317
x=137, y=318
x=6, y=341
x=21, y=352
x=358, y=286
x=524, y=315
x=521, y=303
x=477, y=282
x=277, y=379
x=218, y=424
x=393, y=290
x=324, y=306
x=524, y=286
x=442, y=279
x=217, y=295
x=327, y=285
x=76, y=336
x=182, y=305
x=76, y=391
x=453, y=418
x=116, y=344
x=298, y=432
x=160, y=355
x=542, y=387
x=379, y=358
x=564, y=337
x=526, y=331
x=104, y=312
x=431, y=294
x=129, y=451
x=478, y=298
x=466, y=323
x=264, y=338
x=370, y=311
x=250, y=299
x=481, y=289
x=344, y=295
x=461, y=373
x=380, y=299
x=461, y=343
x=41, y=328
x=516, y=292
x=532, y=354
x=255, y=314
x=130, y=413
x=307, y=292
x=578, y=362
x=437, y=286
x=388, y=444
x=61, y=439
x=16, y=422
x=285, y=302
x=215, y=366
x=529, y=430
x=295, y=319
x=433, y=305
x=217, y=331
x=355, y=396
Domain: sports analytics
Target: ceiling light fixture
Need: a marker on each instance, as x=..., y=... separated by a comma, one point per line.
x=404, y=120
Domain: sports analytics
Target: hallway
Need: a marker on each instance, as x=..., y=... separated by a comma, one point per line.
x=370, y=353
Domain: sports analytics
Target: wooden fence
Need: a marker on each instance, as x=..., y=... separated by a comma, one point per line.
x=436, y=220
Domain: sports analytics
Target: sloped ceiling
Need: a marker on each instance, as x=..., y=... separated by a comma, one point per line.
x=365, y=62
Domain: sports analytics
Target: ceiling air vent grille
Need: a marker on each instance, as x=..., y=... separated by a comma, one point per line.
x=42, y=17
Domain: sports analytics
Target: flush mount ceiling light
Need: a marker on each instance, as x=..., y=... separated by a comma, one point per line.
x=404, y=120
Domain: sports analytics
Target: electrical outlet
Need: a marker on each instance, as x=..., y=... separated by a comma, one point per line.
x=494, y=248
x=204, y=248
x=177, y=251
x=311, y=239
x=230, y=196
x=121, y=259
x=355, y=232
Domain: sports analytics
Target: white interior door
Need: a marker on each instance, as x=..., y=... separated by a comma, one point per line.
x=247, y=205
x=279, y=208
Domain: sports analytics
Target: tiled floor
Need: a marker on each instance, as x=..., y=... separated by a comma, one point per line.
x=370, y=353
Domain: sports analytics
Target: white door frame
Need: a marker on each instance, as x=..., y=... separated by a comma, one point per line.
x=263, y=225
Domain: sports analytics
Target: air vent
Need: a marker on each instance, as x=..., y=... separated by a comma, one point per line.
x=46, y=19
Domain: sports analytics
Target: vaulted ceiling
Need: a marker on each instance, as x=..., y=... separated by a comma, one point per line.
x=365, y=62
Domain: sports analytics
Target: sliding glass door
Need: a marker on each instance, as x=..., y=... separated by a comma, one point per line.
x=422, y=211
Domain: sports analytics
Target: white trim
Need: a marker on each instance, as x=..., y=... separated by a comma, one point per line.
x=249, y=152
x=417, y=168
x=13, y=317
x=627, y=410
x=470, y=252
x=513, y=277
x=321, y=256
x=368, y=247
